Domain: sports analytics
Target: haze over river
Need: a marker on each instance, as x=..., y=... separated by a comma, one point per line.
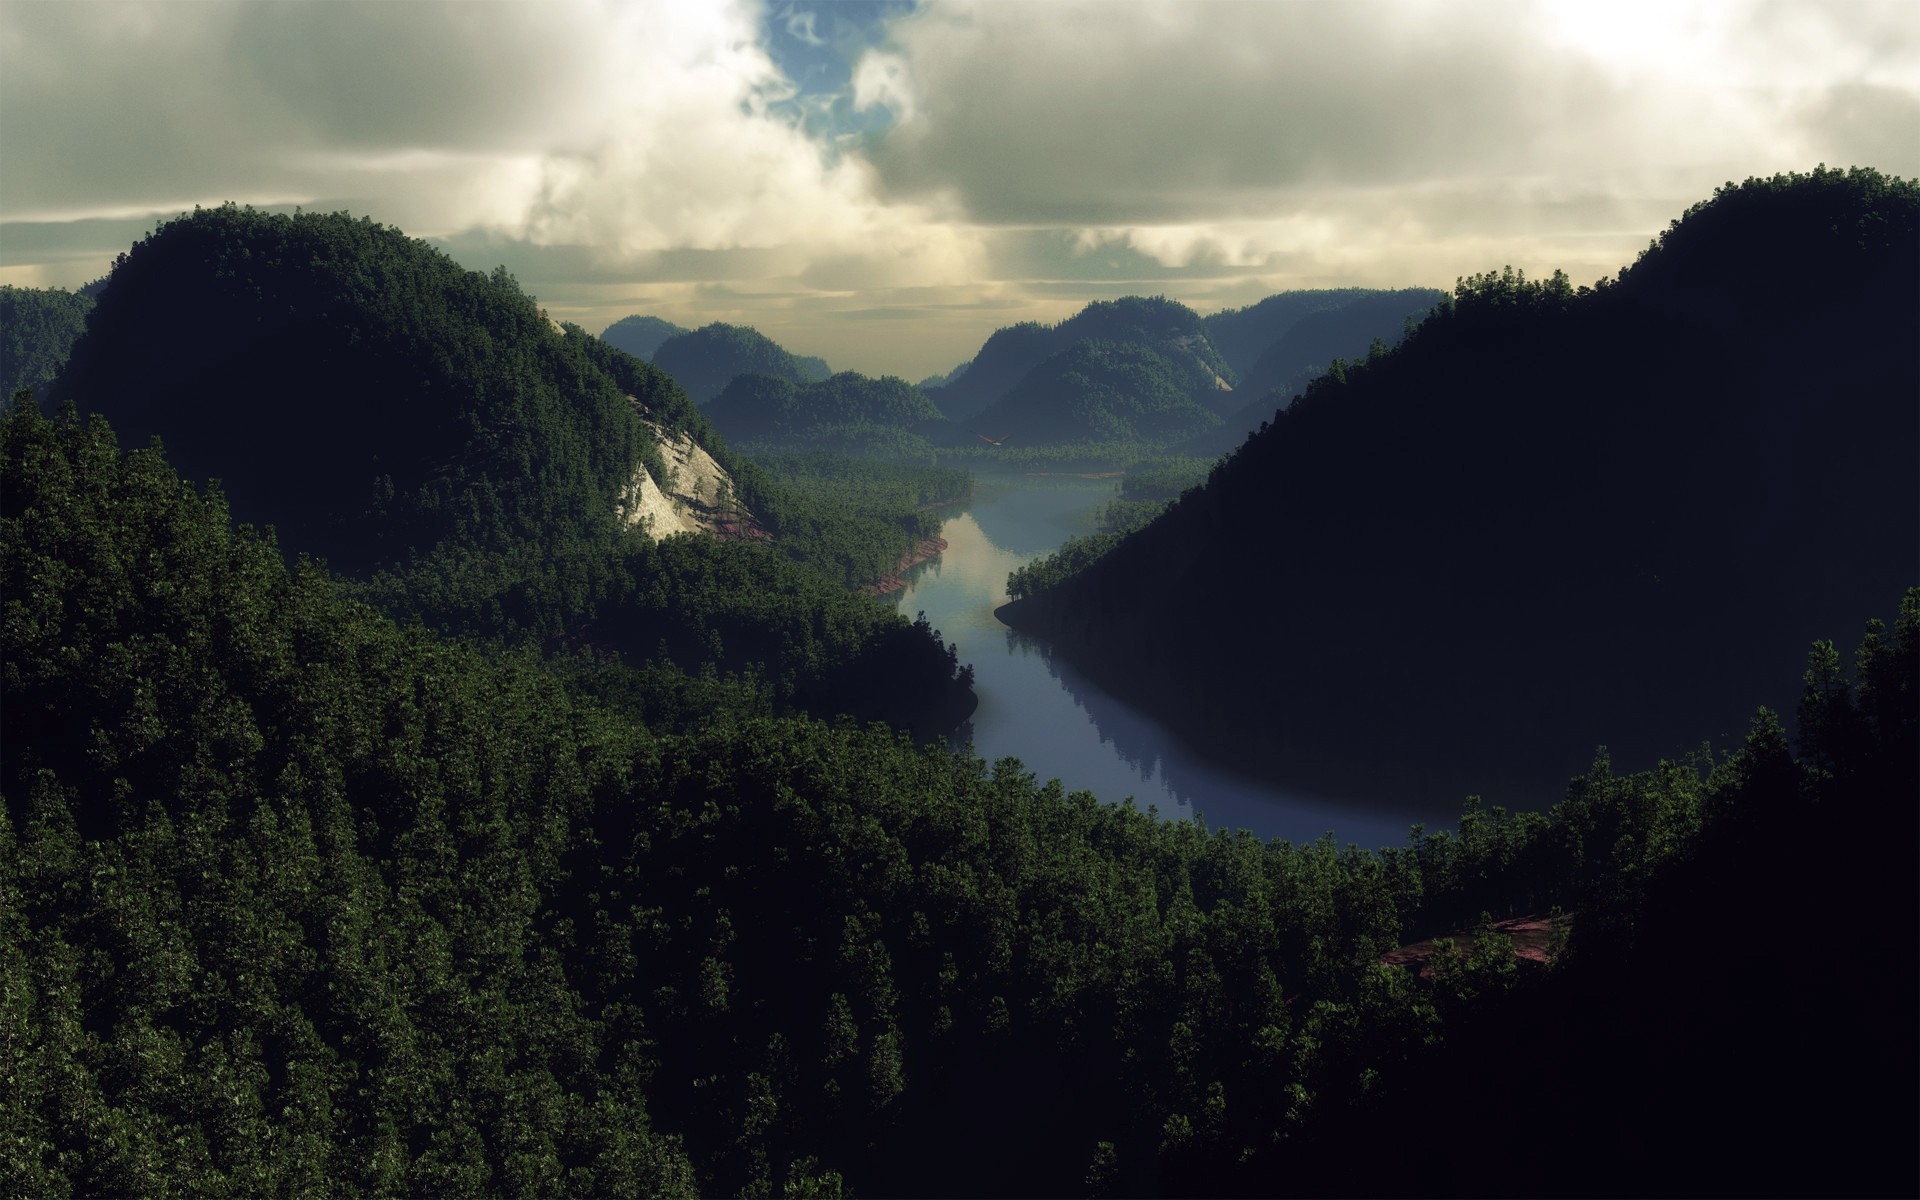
x=1037, y=708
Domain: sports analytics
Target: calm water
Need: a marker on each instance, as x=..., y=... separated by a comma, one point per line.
x=1043, y=712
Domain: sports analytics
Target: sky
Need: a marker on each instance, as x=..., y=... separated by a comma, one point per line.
x=883, y=183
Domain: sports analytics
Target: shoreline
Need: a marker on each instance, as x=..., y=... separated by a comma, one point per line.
x=929, y=548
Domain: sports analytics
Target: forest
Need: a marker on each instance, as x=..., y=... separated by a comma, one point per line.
x=383, y=809
x=305, y=900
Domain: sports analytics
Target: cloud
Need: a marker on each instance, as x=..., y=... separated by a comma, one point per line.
x=1164, y=115
x=979, y=162
x=633, y=128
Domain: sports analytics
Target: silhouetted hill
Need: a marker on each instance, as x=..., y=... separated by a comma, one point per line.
x=1552, y=517
x=1169, y=329
x=355, y=387
x=640, y=336
x=708, y=359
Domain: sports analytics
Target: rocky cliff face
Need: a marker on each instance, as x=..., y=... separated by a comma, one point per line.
x=697, y=495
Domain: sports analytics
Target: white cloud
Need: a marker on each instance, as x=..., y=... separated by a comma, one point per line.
x=653, y=153
x=1217, y=130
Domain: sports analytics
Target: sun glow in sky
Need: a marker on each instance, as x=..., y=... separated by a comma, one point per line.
x=883, y=183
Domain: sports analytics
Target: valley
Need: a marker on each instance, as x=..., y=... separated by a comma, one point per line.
x=479, y=762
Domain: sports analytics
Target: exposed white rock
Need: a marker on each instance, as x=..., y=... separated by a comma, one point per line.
x=696, y=496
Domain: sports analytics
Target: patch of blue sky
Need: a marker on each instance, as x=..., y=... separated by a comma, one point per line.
x=816, y=44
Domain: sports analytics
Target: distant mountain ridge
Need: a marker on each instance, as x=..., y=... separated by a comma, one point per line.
x=1243, y=334
x=640, y=336
x=1167, y=327
x=1099, y=390
x=1343, y=329
x=708, y=359
x=845, y=408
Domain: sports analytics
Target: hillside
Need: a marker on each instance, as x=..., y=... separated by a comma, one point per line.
x=1243, y=334
x=846, y=410
x=1309, y=345
x=1105, y=391
x=302, y=900
x=38, y=327
x=640, y=336
x=1163, y=326
x=1470, y=560
x=708, y=359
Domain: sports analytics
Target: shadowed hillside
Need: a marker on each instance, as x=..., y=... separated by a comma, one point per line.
x=1462, y=564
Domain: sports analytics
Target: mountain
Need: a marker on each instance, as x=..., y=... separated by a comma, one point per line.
x=1242, y=334
x=38, y=327
x=1552, y=517
x=640, y=336
x=354, y=387
x=934, y=381
x=1168, y=328
x=1099, y=390
x=711, y=357
x=846, y=407
x=429, y=432
x=1312, y=343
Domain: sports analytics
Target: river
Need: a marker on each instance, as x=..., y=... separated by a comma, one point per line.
x=1038, y=709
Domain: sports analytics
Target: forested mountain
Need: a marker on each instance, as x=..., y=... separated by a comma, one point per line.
x=298, y=900
x=708, y=359
x=1167, y=328
x=1467, y=561
x=1099, y=390
x=428, y=431
x=846, y=411
x=640, y=336
x=38, y=327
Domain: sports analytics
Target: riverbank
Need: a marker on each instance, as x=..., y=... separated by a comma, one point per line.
x=893, y=581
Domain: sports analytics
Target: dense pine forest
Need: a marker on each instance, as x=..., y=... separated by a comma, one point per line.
x=386, y=808
x=300, y=899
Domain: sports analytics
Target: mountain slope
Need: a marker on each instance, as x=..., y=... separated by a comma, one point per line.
x=1471, y=560
x=1163, y=326
x=1242, y=334
x=356, y=388
x=757, y=408
x=38, y=327
x=640, y=336
x=708, y=359
x=1099, y=390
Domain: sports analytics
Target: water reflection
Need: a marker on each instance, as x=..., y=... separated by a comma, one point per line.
x=1038, y=708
